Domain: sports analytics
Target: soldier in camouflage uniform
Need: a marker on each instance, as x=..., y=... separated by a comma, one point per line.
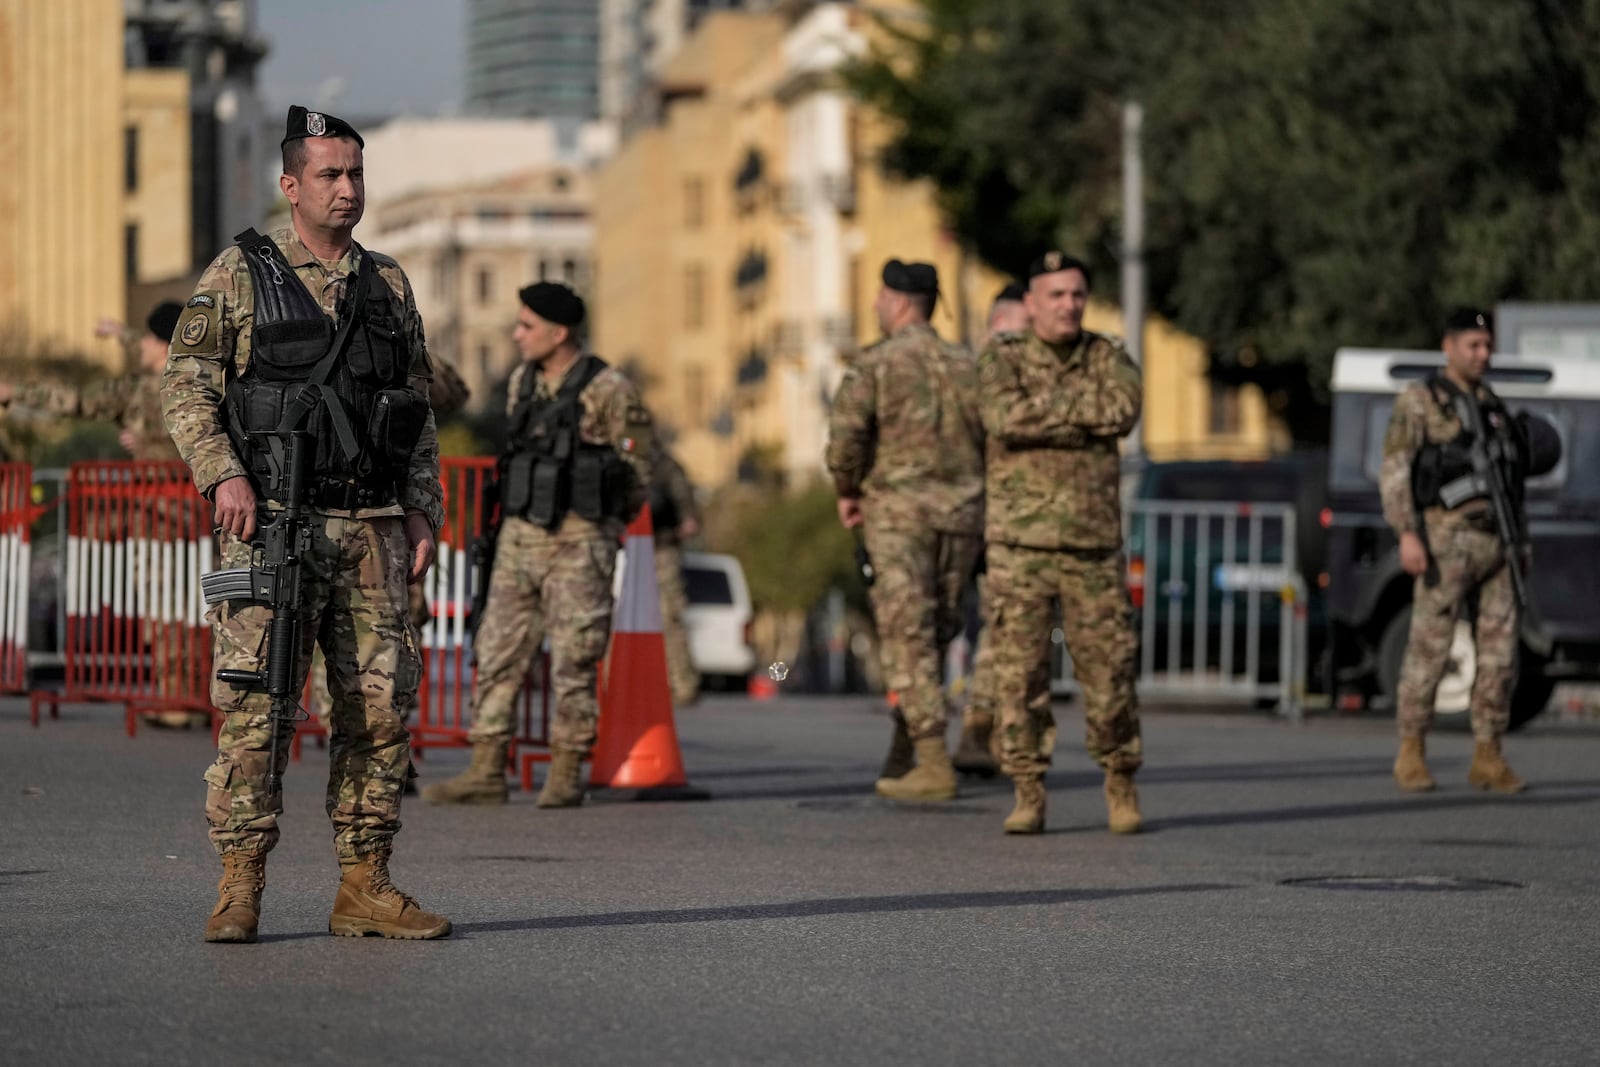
x=905, y=448
x=250, y=334
x=975, y=754
x=577, y=467
x=676, y=516
x=1056, y=399
x=133, y=400
x=1454, y=554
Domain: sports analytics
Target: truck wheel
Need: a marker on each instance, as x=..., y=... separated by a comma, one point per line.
x=1528, y=699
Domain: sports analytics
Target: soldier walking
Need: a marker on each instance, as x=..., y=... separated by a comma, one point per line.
x=1450, y=545
x=905, y=448
x=272, y=317
x=1056, y=399
x=576, y=469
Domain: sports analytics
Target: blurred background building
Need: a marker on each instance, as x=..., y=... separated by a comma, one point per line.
x=533, y=58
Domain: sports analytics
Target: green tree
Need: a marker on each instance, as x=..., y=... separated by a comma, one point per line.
x=1319, y=172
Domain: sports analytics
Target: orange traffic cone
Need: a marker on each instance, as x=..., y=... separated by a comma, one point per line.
x=636, y=756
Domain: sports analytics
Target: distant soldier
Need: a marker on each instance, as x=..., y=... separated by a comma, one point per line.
x=576, y=469
x=975, y=752
x=1449, y=543
x=1056, y=400
x=905, y=449
x=133, y=401
x=676, y=517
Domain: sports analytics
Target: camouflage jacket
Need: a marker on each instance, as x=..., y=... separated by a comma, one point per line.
x=610, y=413
x=668, y=476
x=1417, y=419
x=905, y=435
x=223, y=305
x=1054, y=414
x=133, y=401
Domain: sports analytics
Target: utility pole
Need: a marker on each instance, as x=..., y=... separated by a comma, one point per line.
x=1133, y=281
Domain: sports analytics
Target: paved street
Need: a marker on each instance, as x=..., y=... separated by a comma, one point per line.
x=795, y=919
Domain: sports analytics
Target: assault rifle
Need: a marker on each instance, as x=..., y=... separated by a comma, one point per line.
x=281, y=542
x=1488, y=477
x=869, y=574
x=483, y=553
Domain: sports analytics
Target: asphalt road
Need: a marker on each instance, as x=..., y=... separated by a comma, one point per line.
x=795, y=919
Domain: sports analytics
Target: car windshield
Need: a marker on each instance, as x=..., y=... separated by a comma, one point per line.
x=704, y=586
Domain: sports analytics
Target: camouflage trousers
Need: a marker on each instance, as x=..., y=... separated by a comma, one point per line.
x=1097, y=620
x=542, y=585
x=681, y=672
x=980, y=690
x=1470, y=561
x=353, y=590
x=416, y=610
x=916, y=602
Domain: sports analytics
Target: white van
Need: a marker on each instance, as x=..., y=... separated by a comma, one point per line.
x=718, y=617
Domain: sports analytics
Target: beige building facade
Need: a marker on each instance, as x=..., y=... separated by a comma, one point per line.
x=156, y=175
x=62, y=247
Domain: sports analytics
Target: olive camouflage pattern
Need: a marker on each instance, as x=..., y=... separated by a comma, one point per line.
x=670, y=478
x=354, y=589
x=905, y=436
x=353, y=576
x=559, y=582
x=1054, y=414
x=1468, y=563
x=133, y=401
x=215, y=328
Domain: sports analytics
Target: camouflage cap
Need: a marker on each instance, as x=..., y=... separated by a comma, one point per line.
x=553, y=302
x=303, y=123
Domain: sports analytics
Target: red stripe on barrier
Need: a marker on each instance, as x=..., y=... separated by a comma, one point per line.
x=16, y=517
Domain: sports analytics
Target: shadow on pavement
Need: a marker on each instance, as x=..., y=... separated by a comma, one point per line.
x=1544, y=794
x=801, y=909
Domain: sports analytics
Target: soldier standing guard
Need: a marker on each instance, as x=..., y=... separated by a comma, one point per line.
x=1056, y=400
x=905, y=448
x=576, y=469
x=255, y=333
x=1454, y=552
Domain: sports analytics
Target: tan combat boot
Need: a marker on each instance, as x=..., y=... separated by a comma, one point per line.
x=1490, y=771
x=1028, y=816
x=561, y=787
x=901, y=757
x=932, y=779
x=368, y=903
x=484, y=782
x=973, y=755
x=238, y=910
x=1122, y=803
x=1410, y=772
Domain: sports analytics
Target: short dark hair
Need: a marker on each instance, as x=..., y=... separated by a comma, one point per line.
x=294, y=155
x=924, y=302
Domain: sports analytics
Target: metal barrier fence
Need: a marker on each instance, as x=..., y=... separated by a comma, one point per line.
x=16, y=564
x=1219, y=603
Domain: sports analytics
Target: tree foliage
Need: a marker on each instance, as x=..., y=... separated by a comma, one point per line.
x=1318, y=172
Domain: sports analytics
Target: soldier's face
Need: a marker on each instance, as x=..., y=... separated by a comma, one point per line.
x=537, y=339
x=1007, y=316
x=1055, y=304
x=889, y=306
x=330, y=192
x=1467, y=353
x=152, y=352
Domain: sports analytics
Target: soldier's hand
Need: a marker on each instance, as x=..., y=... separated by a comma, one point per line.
x=1413, y=554
x=850, y=511
x=419, y=533
x=6, y=392
x=128, y=440
x=235, y=501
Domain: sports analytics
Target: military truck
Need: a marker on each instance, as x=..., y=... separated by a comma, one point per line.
x=1369, y=596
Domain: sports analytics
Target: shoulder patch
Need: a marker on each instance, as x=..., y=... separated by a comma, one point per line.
x=196, y=330
x=202, y=300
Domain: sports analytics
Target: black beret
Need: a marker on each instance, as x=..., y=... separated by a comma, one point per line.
x=911, y=277
x=164, y=319
x=303, y=123
x=1054, y=261
x=1013, y=291
x=1464, y=318
x=553, y=302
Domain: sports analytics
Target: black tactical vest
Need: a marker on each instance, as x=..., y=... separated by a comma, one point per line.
x=547, y=469
x=346, y=386
x=1443, y=474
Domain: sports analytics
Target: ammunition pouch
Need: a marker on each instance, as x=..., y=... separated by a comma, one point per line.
x=398, y=418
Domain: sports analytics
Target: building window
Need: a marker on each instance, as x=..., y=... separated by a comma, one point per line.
x=569, y=271
x=544, y=271
x=130, y=250
x=130, y=159
x=484, y=370
x=694, y=393
x=694, y=297
x=1224, y=408
x=485, y=285
x=694, y=203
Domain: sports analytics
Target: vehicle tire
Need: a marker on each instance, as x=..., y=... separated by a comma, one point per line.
x=1528, y=699
x=1455, y=687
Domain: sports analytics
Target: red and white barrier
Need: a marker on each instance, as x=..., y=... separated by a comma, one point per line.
x=16, y=516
